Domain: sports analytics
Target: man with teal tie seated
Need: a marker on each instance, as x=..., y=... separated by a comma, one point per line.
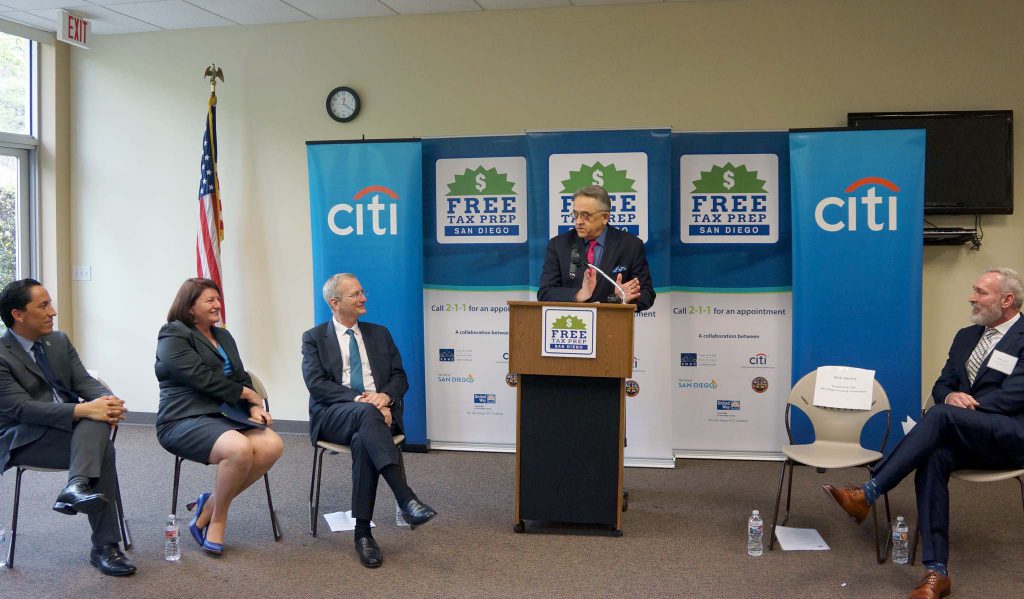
x=356, y=383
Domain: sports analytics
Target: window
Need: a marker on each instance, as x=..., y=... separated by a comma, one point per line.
x=18, y=149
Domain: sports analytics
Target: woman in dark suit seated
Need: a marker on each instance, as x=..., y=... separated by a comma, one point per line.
x=200, y=371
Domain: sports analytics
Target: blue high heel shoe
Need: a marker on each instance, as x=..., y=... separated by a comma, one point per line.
x=199, y=534
x=213, y=548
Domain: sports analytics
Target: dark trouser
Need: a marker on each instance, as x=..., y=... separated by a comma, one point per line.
x=361, y=426
x=86, y=451
x=948, y=438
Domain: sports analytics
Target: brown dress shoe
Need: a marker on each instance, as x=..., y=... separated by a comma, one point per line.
x=932, y=586
x=851, y=499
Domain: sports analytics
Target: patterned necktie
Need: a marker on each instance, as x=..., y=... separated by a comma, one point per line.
x=355, y=363
x=590, y=251
x=979, y=353
x=61, y=393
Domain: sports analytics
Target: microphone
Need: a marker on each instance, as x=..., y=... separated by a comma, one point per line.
x=574, y=263
x=612, y=281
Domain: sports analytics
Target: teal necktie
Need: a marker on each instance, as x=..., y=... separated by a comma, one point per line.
x=355, y=363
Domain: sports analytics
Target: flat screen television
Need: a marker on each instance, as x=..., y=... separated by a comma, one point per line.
x=968, y=157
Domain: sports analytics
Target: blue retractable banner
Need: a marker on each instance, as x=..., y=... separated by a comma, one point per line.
x=858, y=207
x=366, y=218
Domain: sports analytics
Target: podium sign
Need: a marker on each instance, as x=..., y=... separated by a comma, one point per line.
x=570, y=332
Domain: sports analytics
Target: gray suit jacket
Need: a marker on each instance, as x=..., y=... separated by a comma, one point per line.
x=27, y=408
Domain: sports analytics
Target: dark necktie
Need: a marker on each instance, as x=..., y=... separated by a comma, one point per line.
x=63, y=393
x=591, y=251
x=355, y=363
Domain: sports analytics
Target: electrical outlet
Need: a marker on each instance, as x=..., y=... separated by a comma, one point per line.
x=81, y=273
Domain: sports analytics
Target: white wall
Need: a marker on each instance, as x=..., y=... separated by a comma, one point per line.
x=138, y=103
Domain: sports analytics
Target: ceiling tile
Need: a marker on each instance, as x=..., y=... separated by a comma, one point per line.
x=27, y=5
x=349, y=9
x=606, y=2
x=253, y=12
x=27, y=18
x=171, y=14
x=417, y=7
x=520, y=4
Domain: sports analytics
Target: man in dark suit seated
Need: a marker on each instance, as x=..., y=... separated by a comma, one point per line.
x=44, y=423
x=356, y=384
x=566, y=276
x=977, y=422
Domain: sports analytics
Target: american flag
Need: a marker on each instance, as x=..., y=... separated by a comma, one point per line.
x=211, y=227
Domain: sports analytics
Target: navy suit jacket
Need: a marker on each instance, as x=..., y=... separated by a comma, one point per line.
x=322, y=366
x=996, y=392
x=623, y=253
x=191, y=372
x=27, y=408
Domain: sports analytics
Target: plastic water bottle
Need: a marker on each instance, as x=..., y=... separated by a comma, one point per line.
x=399, y=520
x=755, y=534
x=172, y=551
x=900, y=554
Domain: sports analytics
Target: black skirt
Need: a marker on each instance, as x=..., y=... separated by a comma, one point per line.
x=193, y=438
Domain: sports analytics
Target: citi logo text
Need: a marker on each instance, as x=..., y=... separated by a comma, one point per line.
x=878, y=213
x=346, y=219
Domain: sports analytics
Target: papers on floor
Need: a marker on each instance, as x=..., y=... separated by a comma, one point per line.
x=844, y=387
x=341, y=521
x=800, y=539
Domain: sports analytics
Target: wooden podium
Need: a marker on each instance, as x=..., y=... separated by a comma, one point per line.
x=571, y=419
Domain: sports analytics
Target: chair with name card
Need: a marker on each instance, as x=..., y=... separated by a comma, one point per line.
x=836, y=444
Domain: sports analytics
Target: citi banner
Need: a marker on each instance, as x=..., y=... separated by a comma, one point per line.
x=858, y=205
x=475, y=230
x=731, y=299
x=634, y=167
x=367, y=219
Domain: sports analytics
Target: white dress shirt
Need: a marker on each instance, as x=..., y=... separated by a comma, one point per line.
x=346, y=371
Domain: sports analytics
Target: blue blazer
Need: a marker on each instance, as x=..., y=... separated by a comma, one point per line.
x=191, y=372
x=996, y=392
x=322, y=366
x=623, y=253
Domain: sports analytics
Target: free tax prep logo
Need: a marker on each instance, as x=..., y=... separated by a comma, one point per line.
x=373, y=211
x=860, y=209
x=481, y=200
x=623, y=175
x=729, y=198
x=570, y=332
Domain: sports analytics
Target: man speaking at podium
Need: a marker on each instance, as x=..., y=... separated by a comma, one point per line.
x=578, y=261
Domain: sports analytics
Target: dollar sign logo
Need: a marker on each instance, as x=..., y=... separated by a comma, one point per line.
x=481, y=182
x=728, y=180
x=598, y=178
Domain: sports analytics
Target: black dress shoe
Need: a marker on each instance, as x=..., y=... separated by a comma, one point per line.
x=111, y=561
x=78, y=497
x=369, y=552
x=415, y=512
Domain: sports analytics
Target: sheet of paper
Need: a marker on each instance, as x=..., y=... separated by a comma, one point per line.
x=844, y=387
x=800, y=539
x=341, y=521
x=908, y=424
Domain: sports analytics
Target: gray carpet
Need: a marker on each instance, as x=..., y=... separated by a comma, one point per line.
x=684, y=537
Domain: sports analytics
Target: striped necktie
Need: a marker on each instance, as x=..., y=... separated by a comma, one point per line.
x=979, y=353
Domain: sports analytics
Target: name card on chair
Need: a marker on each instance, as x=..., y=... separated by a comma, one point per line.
x=843, y=387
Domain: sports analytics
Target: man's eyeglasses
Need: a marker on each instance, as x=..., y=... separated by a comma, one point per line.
x=585, y=215
x=358, y=294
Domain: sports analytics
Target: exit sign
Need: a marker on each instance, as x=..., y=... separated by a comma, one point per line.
x=73, y=29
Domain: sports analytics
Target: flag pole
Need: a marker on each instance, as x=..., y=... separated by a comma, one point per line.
x=211, y=226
